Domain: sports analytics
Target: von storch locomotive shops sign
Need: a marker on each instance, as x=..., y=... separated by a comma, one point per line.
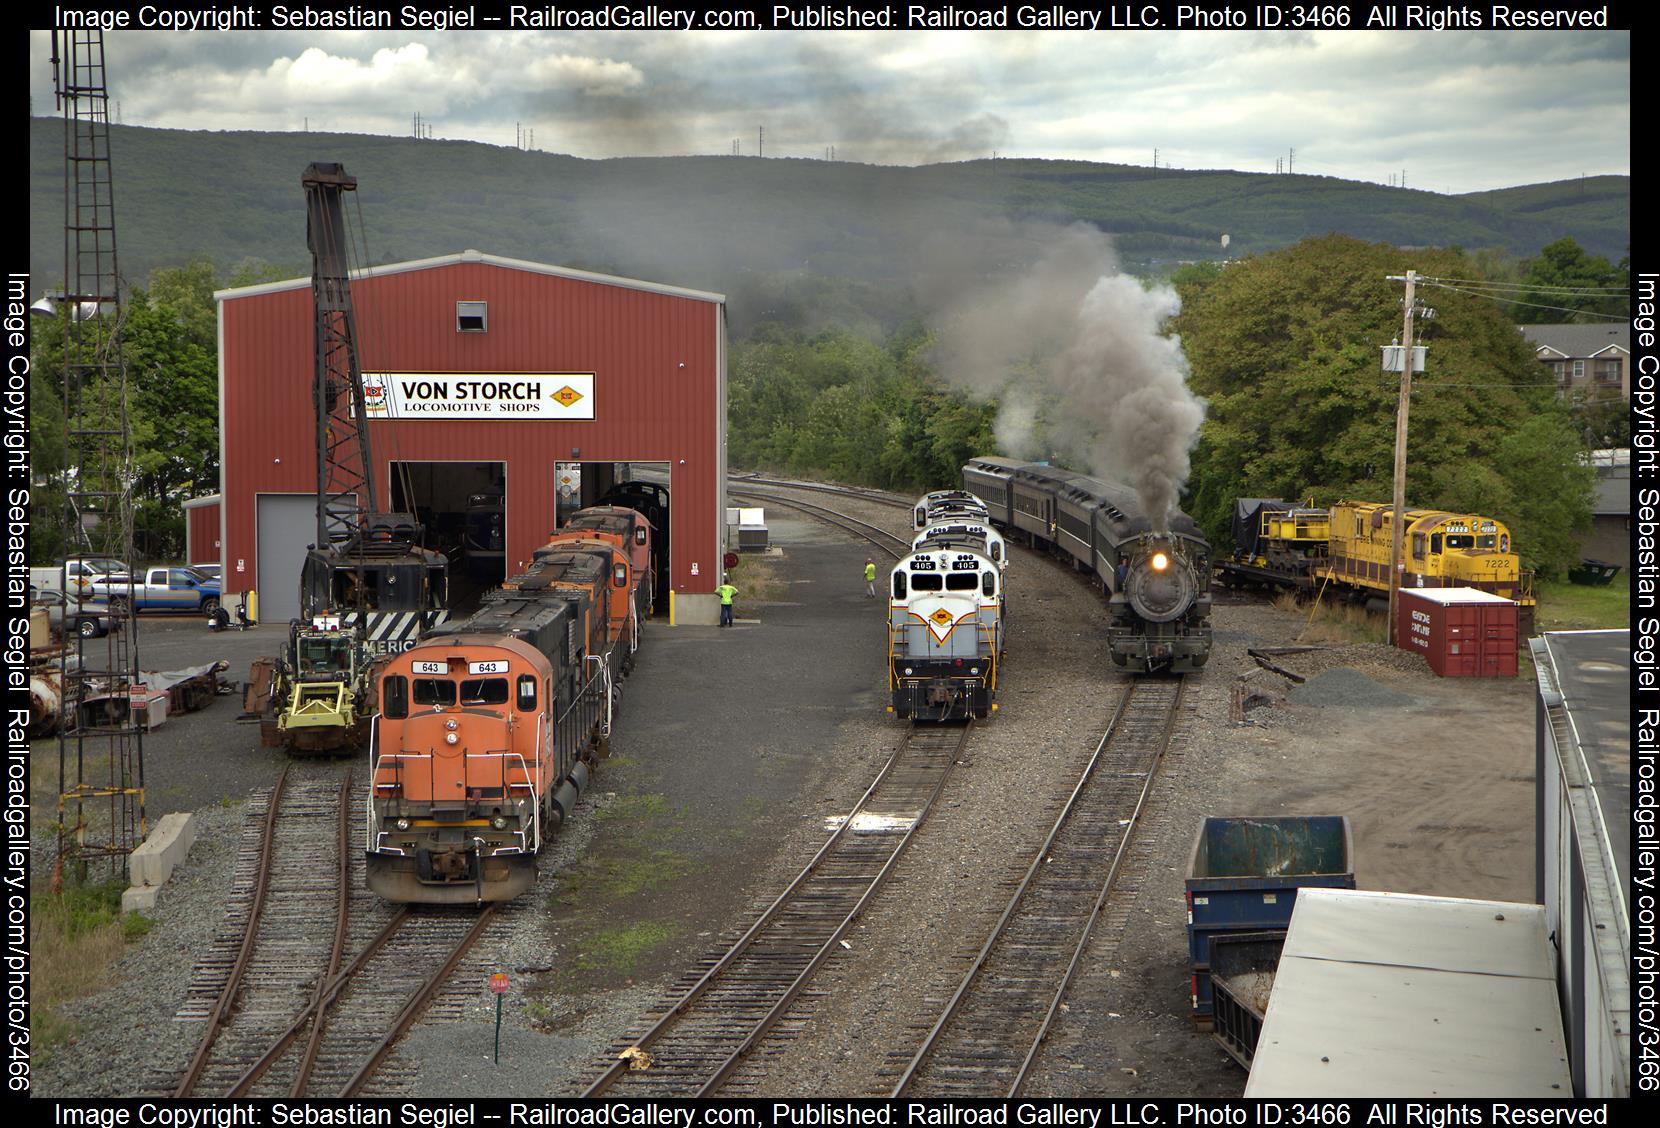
x=478, y=395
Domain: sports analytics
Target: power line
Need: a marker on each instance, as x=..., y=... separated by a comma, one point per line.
x=1530, y=305
x=1532, y=289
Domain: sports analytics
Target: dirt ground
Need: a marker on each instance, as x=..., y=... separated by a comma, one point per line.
x=1437, y=785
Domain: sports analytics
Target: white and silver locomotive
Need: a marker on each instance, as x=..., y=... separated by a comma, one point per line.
x=945, y=633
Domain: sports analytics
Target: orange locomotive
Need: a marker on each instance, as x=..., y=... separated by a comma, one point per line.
x=489, y=727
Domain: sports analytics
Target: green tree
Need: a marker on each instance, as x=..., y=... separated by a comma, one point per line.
x=169, y=346
x=1566, y=266
x=1285, y=347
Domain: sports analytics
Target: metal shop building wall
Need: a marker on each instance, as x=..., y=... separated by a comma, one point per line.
x=1582, y=831
x=656, y=356
x=201, y=529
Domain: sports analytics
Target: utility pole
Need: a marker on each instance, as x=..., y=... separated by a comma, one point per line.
x=1396, y=538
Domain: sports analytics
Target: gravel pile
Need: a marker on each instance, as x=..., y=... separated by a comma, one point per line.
x=1347, y=687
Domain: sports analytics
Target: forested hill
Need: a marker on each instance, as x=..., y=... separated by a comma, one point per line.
x=719, y=222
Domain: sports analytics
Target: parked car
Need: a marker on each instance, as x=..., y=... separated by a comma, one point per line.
x=159, y=589
x=85, y=617
x=82, y=571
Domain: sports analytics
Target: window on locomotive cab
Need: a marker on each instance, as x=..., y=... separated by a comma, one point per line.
x=394, y=697
x=962, y=581
x=925, y=581
x=1435, y=544
x=484, y=691
x=434, y=691
x=527, y=692
x=1485, y=542
x=1418, y=545
x=899, y=585
x=988, y=583
x=1460, y=541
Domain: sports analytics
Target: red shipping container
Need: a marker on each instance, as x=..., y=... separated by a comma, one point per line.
x=1463, y=632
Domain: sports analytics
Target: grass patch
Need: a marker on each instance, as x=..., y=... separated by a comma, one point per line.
x=756, y=578
x=75, y=936
x=1565, y=606
x=643, y=805
x=1333, y=622
x=614, y=878
x=619, y=949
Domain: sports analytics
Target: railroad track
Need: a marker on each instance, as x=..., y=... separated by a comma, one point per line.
x=988, y=1035
x=894, y=546
x=880, y=497
x=287, y=1014
x=715, y=1020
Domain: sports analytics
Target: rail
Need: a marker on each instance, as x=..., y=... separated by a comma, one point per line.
x=717, y=1022
x=987, y=1038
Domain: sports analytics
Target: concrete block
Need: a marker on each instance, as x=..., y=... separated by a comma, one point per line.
x=152, y=863
x=139, y=898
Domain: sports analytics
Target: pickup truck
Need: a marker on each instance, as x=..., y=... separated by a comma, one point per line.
x=81, y=570
x=159, y=589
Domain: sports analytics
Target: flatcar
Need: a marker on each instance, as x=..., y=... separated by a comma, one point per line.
x=945, y=634
x=1157, y=579
x=488, y=729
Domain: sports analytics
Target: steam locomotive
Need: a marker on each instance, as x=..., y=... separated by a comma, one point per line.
x=1157, y=580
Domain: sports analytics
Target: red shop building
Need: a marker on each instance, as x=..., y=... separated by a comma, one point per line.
x=490, y=382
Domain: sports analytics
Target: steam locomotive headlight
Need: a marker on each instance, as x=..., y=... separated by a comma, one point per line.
x=403, y=824
x=450, y=724
x=1160, y=561
x=498, y=822
x=451, y=738
x=907, y=671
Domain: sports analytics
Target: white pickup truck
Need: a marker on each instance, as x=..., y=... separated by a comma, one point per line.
x=159, y=589
x=82, y=570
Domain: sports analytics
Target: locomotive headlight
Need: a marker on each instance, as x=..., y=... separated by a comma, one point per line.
x=1160, y=561
x=403, y=824
x=450, y=724
x=451, y=738
x=974, y=669
x=907, y=671
x=498, y=822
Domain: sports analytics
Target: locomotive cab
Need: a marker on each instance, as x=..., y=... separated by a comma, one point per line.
x=459, y=773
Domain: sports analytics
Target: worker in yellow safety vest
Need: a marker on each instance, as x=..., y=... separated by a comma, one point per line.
x=726, y=591
x=870, y=577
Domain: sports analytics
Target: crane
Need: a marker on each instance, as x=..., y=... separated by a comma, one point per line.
x=367, y=587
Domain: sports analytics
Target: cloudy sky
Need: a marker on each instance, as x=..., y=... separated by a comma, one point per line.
x=1457, y=111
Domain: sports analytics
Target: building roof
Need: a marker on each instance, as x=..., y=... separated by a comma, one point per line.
x=471, y=256
x=1589, y=674
x=1400, y=995
x=1579, y=340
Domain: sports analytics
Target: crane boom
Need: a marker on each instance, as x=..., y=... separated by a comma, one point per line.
x=346, y=501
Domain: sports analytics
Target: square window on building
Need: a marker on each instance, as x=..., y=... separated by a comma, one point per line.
x=471, y=317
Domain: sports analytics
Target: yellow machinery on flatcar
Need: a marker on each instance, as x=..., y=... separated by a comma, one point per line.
x=1439, y=549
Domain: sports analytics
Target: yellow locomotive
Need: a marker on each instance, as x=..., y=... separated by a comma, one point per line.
x=1350, y=545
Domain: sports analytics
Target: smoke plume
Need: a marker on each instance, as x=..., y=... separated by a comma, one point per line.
x=1074, y=351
